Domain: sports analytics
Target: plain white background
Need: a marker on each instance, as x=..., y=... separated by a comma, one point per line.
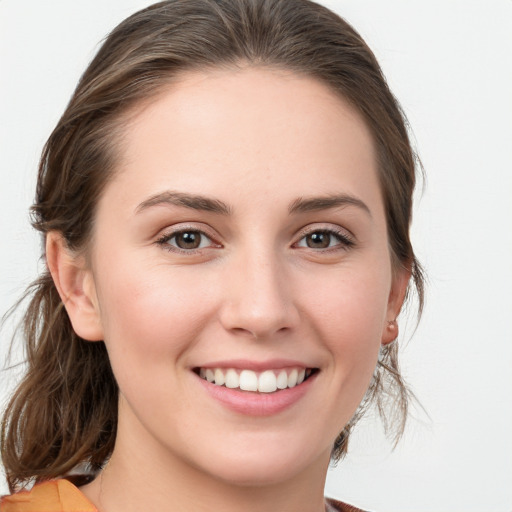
x=450, y=64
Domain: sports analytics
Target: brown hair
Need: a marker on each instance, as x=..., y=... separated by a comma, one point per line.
x=64, y=411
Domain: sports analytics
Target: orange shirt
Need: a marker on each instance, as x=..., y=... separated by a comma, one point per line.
x=51, y=496
x=63, y=496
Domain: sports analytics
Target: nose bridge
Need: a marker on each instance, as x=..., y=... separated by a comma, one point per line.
x=259, y=301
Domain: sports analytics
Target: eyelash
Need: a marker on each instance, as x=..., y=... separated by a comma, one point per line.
x=167, y=237
x=345, y=241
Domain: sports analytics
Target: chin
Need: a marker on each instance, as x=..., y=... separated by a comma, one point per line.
x=257, y=474
x=265, y=464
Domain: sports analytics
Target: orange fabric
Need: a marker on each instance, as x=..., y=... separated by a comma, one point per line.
x=63, y=496
x=51, y=496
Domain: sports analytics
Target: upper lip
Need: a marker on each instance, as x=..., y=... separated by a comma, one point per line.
x=257, y=366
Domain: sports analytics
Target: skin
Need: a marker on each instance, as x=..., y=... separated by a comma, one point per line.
x=258, y=140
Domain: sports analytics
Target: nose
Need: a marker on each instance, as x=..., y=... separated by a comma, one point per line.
x=259, y=299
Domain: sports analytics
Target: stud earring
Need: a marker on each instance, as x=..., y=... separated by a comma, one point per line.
x=392, y=325
x=392, y=329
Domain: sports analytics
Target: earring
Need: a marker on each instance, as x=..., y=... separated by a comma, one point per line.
x=392, y=328
x=392, y=324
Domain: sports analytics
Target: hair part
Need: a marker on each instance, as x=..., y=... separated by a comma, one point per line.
x=64, y=411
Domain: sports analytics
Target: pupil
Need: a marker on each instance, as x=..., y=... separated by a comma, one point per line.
x=318, y=240
x=188, y=240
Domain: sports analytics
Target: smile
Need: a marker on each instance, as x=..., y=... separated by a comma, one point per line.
x=268, y=381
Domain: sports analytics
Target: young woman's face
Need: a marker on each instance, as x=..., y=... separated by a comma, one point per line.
x=243, y=239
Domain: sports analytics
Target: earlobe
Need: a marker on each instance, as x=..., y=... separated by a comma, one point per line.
x=390, y=333
x=395, y=301
x=75, y=284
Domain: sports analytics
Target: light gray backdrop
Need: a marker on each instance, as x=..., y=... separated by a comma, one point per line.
x=450, y=64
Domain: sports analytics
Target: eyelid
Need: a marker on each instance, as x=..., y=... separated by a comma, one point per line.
x=347, y=237
x=175, y=230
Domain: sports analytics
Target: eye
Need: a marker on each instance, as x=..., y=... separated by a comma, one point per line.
x=324, y=239
x=186, y=240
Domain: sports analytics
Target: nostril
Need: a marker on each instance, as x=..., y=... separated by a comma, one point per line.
x=259, y=333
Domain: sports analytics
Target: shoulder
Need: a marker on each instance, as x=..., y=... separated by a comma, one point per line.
x=51, y=496
x=332, y=505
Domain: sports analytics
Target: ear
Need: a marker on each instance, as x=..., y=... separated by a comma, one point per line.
x=401, y=277
x=75, y=284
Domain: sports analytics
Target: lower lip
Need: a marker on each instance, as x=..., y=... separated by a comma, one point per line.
x=257, y=404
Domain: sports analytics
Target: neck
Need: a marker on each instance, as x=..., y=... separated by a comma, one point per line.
x=150, y=479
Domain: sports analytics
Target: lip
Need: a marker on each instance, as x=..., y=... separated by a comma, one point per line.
x=256, y=366
x=251, y=403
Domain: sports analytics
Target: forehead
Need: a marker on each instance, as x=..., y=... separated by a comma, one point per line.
x=250, y=133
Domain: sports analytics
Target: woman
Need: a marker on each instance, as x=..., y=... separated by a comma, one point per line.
x=226, y=205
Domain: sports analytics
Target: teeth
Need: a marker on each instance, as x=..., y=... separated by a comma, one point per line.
x=248, y=380
x=268, y=381
x=282, y=380
x=292, y=378
x=232, y=379
x=219, y=377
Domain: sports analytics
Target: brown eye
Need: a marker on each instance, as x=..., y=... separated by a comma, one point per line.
x=325, y=239
x=318, y=240
x=186, y=240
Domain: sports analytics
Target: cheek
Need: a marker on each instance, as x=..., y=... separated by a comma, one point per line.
x=151, y=316
x=350, y=313
x=346, y=312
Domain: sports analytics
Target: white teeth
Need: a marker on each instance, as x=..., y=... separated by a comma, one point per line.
x=248, y=380
x=292, y=378
x=267, y=381
x=219, y=377
x=232, y=379
x=282, y=380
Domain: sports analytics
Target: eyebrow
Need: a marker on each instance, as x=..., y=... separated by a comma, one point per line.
x=302, y=205
x=193, y=201
x=204, y=203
